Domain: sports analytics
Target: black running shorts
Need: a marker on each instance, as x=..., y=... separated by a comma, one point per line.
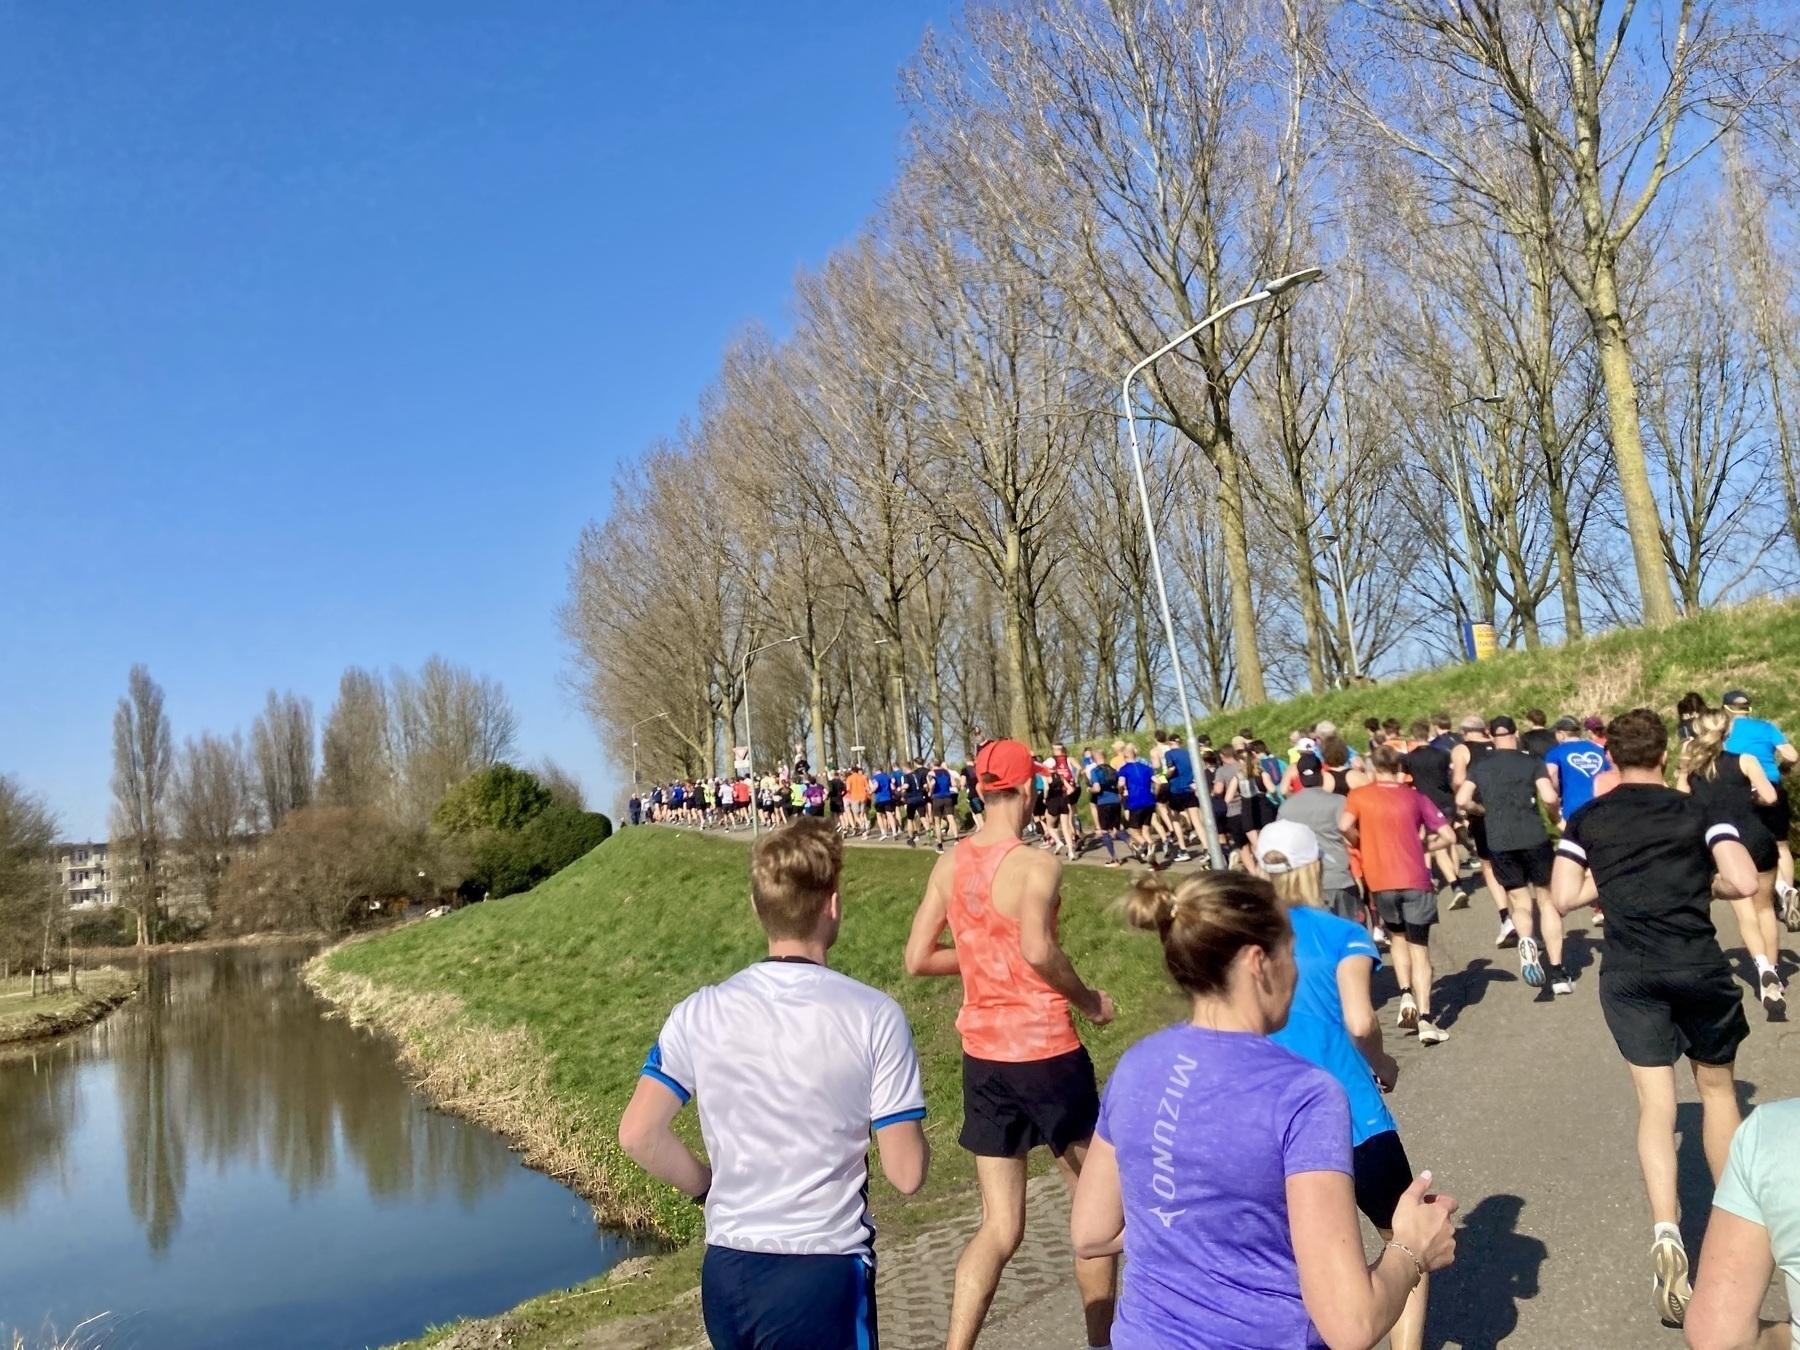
x=943, y=807
x=1382, y=1175
x=1183, y=801
x=1056, y=807
x=1108, y=814
x=1478, y=836
x=1657, y=1016
x=1778, y=816
x=1346, y=902
x=1011, y=1108
x=1139, y=817
x=1516, y=868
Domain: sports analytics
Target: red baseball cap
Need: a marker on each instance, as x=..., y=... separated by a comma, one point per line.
x=1001, y=765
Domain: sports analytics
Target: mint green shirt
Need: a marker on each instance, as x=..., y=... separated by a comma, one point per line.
x=1762, y=1185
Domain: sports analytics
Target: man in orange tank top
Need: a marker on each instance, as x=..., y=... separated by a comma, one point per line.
x=1027, y=1080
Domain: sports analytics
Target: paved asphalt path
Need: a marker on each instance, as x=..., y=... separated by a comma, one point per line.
x=1526, y=1115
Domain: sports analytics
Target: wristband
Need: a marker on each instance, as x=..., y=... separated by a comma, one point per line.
x=1417, y=1264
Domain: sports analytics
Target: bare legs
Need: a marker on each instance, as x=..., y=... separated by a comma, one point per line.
x=1412, y=967
x=1529, y=916
x=1409, y=1331
x=1656, y=1128
x=1002, y=1229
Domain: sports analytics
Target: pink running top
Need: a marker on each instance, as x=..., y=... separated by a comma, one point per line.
x=1009, y=1012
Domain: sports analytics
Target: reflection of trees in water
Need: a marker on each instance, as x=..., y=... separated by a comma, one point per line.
x=37, y=1115
x=225, y=1060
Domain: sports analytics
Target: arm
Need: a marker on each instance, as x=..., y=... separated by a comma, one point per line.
x=1555, y=776
x=1352, y=1303
x=1785, y=753
x=905, y=1154
x=646, y=1135
x=1097, y=1222
x=1038, y=900
x=1737, y=873
x=1566, y=880
x=1760, y=786
x=1546, y=790
x=1348, y=827
x=1465, y=793
x=926, y=953
x=1734, y=1275
x=1353, y=974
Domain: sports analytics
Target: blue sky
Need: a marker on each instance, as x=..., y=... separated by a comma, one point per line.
x=323, y=327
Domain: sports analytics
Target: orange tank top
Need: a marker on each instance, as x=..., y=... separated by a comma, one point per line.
x=1009, y=1012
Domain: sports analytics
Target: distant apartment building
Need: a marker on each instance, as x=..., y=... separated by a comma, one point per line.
x=84, y=872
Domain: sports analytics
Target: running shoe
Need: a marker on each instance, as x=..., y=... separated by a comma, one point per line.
x=1408, y=1020
x=1790, y=907
x=940, y=846
x=1669, y=1285
x=1774, y=1000
x=1115, y=862
x=1509, y=936
x=1561, y=982
x=1531, y=962
x=912, y=841
x=1182, y=855
x=1430, y=1033
x=1459, y=898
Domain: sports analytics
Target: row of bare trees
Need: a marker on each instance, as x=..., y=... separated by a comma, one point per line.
x=1548, y=382
x=391, y=747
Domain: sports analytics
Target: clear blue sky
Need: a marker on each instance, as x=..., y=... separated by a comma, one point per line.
x=324, y=326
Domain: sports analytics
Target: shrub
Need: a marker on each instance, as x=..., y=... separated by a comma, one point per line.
x=497, y=798
x=507, y=862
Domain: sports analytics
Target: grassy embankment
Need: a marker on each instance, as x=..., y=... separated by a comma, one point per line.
x=533, y=1014
x=59, y=1009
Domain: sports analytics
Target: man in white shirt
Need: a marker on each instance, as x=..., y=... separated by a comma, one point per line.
x=792, y=1065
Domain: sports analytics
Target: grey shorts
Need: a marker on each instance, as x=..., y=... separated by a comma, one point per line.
x=1346, y=903
x=1407, y=911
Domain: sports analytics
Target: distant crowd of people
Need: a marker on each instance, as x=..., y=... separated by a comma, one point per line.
x=1229, y=1155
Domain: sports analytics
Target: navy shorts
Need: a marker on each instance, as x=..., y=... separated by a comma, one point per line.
x=773, y=1301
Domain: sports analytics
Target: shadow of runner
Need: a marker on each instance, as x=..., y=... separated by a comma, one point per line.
x=1474, y=1301
x=1454, y=992
x=1693, y=1178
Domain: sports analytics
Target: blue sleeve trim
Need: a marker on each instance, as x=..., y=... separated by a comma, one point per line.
x=917, y=1113
x=653, y=1068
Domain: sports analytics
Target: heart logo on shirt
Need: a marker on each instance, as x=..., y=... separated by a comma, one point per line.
x=1587, y=763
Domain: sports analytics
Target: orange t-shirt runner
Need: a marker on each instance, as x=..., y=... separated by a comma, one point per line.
x=1389, y=817
x=856, y=786
x=1009, y=1012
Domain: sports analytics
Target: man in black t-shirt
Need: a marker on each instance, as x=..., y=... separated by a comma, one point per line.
x=1428, y=765
x=1537, y=738
x=1507, y=784
x=1658, y=858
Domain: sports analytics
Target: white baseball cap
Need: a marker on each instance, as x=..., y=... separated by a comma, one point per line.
x=1292, y=840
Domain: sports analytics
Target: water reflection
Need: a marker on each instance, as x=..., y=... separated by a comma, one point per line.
x=235, y=1109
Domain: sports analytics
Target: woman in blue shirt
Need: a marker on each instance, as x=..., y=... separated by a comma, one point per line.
x=1332, y=1023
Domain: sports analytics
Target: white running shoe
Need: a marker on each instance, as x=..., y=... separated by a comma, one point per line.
x=1669, y=1285
x=1531, y=962
x=1408, y=1019
x=1790, y=907
x=1562, y=984
x=1509, y=936
x=1430, y=1033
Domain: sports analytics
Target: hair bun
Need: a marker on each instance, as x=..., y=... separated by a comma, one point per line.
x=1150, y=903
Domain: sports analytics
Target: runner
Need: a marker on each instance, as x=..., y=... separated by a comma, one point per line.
x=1508, y=784
x=1754, y=1231
x=1223, y=1161
x=943, y=803
x=1332, y=1023
x=970, y=795
x=1320, y=811
x=1059, y=799
x=1732, y=787
x=792, y=1066
x=1576, y=764
x=1138, y=788
x=1665, y=987
x=1762, y=738
x=881, y=788
x=1027, y=1080
x=916, y=785
x=1103, y=790
x=1473, y=746
x=1228, y=788
x=1537, y=739
x=1428, y=765
x=1392, y=824
x=1184, y=800
x=858, y=792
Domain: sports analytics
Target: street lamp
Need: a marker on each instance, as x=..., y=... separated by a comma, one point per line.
x=634, y=726
x=1470, y=562
x=1349, y=610
x=900, y=689
x=1267, y=292
x=749, y=745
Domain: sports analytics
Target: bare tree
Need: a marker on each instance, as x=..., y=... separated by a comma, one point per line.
x=357, y=767
x=212, y=806
x=143, y=767
x=447, y=723
x=30, y=901
x=281, y=739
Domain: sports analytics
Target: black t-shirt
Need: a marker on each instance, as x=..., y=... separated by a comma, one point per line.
x=1506, y=785
x=917, y=784
x=1538, y=741
x=1429, y=766
x=1650, y=850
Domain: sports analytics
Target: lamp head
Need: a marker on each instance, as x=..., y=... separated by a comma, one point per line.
x=1304, y=277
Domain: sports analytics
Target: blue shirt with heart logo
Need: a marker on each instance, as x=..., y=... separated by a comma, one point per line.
x=1578, y=764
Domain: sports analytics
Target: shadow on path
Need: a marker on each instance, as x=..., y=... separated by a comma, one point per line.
x=1453, y=993
x=1474, y=1302
x=1693, y=1179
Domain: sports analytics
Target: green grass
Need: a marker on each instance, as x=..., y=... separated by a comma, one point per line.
x=1755, y=646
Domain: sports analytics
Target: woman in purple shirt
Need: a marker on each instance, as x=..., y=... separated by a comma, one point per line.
x=1222, y=1162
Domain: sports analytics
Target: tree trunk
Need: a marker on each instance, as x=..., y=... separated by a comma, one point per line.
x=1013, y=624
x=1146, y=678
x=1641, y=516
x=1236, y=540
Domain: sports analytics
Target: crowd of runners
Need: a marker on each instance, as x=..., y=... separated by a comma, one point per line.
x=1230, y=1154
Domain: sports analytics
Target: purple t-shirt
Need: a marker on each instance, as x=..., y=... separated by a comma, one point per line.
x=1208, y=1126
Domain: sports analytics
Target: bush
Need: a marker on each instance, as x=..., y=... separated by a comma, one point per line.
x=507, y=862
x=498, y=798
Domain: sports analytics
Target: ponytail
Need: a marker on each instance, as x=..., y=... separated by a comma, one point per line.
x=1205, y=922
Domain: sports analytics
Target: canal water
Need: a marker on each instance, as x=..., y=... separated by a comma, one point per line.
x=219, y=1165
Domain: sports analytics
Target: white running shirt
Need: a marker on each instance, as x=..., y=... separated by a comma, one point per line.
x=793, y=1065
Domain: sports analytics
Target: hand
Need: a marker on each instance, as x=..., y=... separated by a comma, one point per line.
x=1105, y=1012
x=1387, y=1072
x=1422, y=1222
